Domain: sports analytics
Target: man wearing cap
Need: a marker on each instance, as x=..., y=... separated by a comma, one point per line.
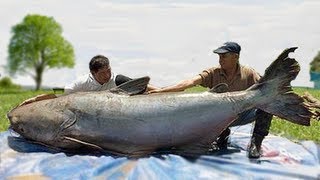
x=238, y=78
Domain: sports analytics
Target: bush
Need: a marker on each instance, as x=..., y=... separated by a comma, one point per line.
x=6, y=83
x=315, y=64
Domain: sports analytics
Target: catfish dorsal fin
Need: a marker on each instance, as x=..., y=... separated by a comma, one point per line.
x=220, y=88
x=133, y=87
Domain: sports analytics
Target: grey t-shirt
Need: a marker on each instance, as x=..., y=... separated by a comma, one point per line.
x=88, y=83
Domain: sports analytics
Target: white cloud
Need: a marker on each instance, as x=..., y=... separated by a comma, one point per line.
x=170, y=41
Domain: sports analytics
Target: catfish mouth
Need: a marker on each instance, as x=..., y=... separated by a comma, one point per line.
x=14, y=126
x=12, y=118
x=12, y=131
x=24, y=145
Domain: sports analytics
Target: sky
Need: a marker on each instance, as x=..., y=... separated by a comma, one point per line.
x=170, y=40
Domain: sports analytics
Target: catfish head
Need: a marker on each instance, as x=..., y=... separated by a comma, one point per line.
x=41, y=121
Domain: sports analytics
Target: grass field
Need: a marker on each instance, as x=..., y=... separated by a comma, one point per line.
x=11, y=98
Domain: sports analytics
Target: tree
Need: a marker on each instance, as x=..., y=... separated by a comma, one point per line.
x=37, y=45
x=315, y=64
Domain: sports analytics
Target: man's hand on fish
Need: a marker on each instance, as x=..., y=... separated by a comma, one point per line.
x=38, y=98
x=28, y=101
x=155, y=91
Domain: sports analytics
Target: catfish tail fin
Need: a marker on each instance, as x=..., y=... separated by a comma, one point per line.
x=279, y=98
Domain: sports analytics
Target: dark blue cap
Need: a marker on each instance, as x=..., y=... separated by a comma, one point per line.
x=228, y=47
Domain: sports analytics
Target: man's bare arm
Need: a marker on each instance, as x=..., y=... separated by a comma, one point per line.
x=181, y=86
x=38, y=98
x=151, y=88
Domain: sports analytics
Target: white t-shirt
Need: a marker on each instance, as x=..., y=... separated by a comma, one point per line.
x=88, y=83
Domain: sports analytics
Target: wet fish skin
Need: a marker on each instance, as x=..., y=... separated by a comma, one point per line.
x=137, y=125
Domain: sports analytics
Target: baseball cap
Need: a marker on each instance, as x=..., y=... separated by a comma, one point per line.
x=228, y=47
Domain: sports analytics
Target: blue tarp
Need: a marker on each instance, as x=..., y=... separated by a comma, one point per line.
x=282, y=159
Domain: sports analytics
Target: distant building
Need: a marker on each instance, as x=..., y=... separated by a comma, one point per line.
x=315, y=77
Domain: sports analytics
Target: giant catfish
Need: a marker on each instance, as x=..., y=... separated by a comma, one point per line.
x=122, y=123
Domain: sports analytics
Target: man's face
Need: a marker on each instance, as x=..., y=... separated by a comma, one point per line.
x=228, y=60
x=103, y=75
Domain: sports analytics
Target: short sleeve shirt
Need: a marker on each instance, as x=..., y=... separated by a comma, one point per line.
x=245, y=77
x=88, y=83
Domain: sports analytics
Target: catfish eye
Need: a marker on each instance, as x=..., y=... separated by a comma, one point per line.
x=21, y=129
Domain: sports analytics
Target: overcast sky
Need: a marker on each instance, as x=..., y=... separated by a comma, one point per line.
x=171, y=40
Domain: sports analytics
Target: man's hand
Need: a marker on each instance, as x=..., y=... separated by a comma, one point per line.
x=181, y=86
x=155, y=91
x=38, y=98
x=28, y=101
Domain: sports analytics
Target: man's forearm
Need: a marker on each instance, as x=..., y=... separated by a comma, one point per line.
x=45, y=96
x=151, y=87
x=179, y=87
x=38, y=98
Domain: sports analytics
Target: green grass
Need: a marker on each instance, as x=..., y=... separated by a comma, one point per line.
x=11, y=98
